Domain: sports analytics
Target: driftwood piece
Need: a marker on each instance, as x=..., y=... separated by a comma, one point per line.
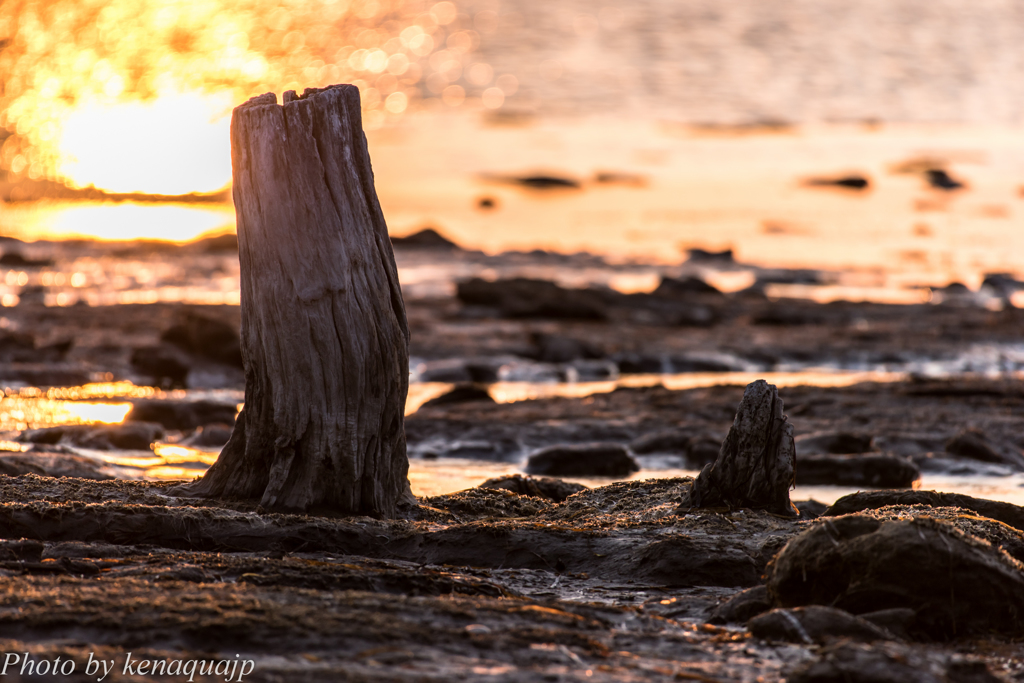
x=324, y=332
x=757, y=464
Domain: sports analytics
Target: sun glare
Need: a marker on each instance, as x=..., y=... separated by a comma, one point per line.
x=176, y=144
x=134, y=95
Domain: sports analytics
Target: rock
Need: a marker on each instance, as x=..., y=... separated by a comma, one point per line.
x=849, y=182
x=181, y=414
x=546, y=182
x=52, y=464
x=873, y=470
x=44, y=375
x=528, y=298
x=684, y=287
x=209, y=436
x=973, y=444
x=834, y=442
x=755, y=468
x=164, y=366
x=221, y=244
x=428, y=238
x=957, y=585
x=740, y=608
x=667, y=441
x=704, y=256
x=649, y=309
x=940, y=179
x=206, y=338
x=703, y=450
x=128, y=436
x=538, y=487
x=1007, y=513
x=814, y=624
x=810, y=509
x=554, y=348
x=860, y=663
x=462, y=393
x=895, y=620
x=583, y=460
x=784, y=316
x=13, y=259
x=699, y=449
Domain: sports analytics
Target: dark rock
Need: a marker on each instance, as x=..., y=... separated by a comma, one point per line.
x=703, y=450
x=814, y=624
x=165, y=366
x=51, y=464
x=486, y=203
x=810, y=509
x=683, y=561
x=220, y=244
x=643, y=364
x=975, y=445
x=209, y=436
x=128, y=436
x=704, y=256
x=539, y=487
x=13, y=259
x=451, y=371
x=684, y=287
x=861, y=663
x=651, y=309
x=554, y=348
x=940, y=179
x=181, y=414
x=699, y=449
x=43, y=375
x=22, y=550
x=741, y=607
x=850, y=182
x=206, y=338
x=1007, y=513
x=428, y=238
x=462, y=393
x=834, y=442
x=546, y=182
x=875, y=470
x=583, y=460
x=20, y=347
x=667, y=441
x=783, y=316
x=528, y=298
x=957, y=584
x=895, y=621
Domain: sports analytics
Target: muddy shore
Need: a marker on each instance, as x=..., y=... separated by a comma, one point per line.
x=527, y=579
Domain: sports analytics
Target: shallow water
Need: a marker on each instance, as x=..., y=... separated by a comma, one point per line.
x=98, y=404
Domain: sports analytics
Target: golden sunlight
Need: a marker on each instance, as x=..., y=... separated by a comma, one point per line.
x=176, y=144
x=134, y=95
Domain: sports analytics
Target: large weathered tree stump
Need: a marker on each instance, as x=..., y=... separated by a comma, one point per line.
x=324, y=332
x=757, y=464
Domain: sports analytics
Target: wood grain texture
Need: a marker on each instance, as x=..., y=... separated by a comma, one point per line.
x=324, y=331
x=757, y=464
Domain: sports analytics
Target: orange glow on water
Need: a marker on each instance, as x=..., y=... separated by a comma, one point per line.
x=134, y=95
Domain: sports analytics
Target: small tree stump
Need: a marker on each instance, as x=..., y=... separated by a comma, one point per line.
x=757, y=464
x=324, y=334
